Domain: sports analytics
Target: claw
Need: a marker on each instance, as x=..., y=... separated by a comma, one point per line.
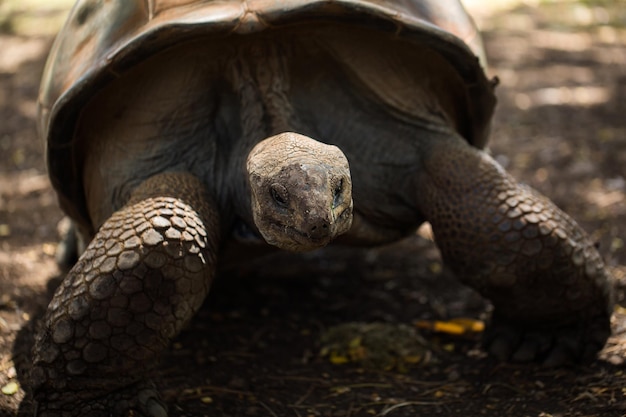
x=559, y=356
x=526, y=352
x=533, y=346
x=150, y=404
x=501, y=348
x=155, y=409
x=567, y=349
x=501, y=341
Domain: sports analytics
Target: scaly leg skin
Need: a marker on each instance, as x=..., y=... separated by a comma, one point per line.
x=551, y=292
x=142, y=277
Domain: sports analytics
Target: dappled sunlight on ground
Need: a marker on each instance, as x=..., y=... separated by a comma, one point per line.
x=33, y=17
x=560, y=127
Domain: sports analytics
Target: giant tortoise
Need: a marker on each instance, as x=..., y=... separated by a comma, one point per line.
x=173, y=127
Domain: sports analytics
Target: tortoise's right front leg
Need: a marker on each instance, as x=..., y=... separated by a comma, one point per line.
x=142, y=277
x=551, y=292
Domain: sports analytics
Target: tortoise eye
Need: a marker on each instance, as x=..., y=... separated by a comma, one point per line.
x=280, y=195
x=337, y=193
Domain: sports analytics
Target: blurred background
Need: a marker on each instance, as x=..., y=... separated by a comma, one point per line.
x=560, y=127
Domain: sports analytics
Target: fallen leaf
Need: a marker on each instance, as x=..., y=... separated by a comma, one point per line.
x=338, y=359
x=457, y=326
x=10, y=388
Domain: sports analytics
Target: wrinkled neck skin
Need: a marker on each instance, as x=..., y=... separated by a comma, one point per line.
x=300, y=191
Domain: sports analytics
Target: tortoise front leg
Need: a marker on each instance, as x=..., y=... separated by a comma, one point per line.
x=551, y=292
x=142, y=277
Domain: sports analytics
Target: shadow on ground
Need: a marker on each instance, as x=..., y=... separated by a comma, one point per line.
x=255, y=347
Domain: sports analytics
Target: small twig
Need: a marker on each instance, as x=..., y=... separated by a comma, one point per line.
x=586, y=396
x=305, y=396
x=368, y=385
x=197, y=392
x=268, y=409
x=500, y=384
x=350, y=410
x=324, y=405
x=297, y=378
x=414, y=382
x=406, y=404
x=435, y=389
x=238, y=354
x=614, y=348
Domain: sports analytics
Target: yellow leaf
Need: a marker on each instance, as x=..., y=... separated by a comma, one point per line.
x=449, y=347
x=456, y=326
x=358, y=353
x=206, y=400
x=356, y=342
x=471, y=325
x=448, y=327
x=337, y=359
x=10, y=388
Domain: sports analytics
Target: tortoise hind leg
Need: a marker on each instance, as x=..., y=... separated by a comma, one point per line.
x=551, y=293
x=142, y=277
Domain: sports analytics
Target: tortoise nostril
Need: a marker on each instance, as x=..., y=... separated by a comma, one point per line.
x=320, y=229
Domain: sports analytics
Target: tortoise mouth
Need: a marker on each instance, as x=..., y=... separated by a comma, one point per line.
x=291, y=238
x=295, y=239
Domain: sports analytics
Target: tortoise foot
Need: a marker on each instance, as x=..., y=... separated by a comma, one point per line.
x=141, y=399
x=138, y=400
x=552, y=293
x=553, y=346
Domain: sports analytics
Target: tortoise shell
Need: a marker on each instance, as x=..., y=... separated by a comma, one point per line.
x=101, y=40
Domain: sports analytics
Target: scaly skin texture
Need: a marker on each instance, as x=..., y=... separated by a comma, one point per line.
x=551, y=292
x=142, y=277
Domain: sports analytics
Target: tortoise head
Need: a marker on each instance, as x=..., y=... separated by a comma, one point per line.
x=301, y=191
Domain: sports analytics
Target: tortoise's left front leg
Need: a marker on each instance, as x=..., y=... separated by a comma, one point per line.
x=551, y=292
x=142, y=277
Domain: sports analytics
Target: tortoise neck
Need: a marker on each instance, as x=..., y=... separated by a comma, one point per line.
x=261, y=78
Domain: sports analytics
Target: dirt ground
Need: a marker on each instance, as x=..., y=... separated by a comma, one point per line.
x=256, y=347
